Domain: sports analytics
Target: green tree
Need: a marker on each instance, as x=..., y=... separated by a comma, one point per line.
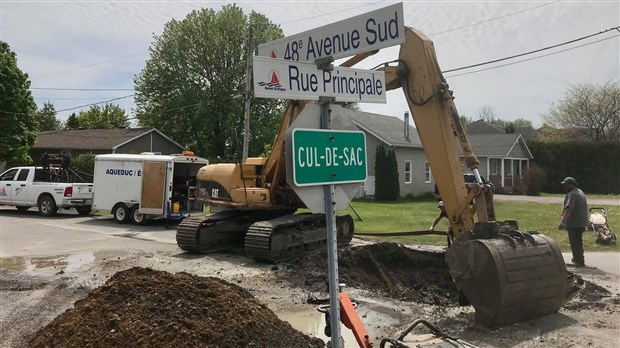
x=47, y=118
x=17, y=110
x=522, y=122
x=590, y=111
x=72, y=122
x=465, y=120
x=190, y=85
x=108, y=116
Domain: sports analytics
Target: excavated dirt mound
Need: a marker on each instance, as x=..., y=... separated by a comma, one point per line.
x=591, y=296
x=391, y=269
x=141, y=307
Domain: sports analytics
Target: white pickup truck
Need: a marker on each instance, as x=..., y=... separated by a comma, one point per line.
x=25, y=187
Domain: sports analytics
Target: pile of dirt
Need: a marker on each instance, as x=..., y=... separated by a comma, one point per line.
x=591, y=296
x=141, y=307
x=391, y=269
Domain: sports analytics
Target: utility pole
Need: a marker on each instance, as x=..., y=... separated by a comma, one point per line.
x=248, y=96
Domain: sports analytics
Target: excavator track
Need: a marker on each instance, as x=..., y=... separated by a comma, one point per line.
x=291, y=236
x=190, y=238
x=219, y=231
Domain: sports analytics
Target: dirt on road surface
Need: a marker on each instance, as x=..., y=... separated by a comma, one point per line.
x=31, y=297
x=147, y=308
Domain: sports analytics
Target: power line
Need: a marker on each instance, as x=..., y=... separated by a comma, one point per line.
x=81, y=89
x=92, y=104
x=54, y=98
x=533, y=58
x=493, y=19
x=168, y=110
x=331, y=13
x=94, y=64
x=531, y=52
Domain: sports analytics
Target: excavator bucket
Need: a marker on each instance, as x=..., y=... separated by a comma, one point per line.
x=508, y=276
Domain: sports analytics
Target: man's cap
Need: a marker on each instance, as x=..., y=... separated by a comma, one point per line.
x=569, y=180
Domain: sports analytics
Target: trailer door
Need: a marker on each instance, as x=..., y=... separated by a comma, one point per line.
x=152, y=195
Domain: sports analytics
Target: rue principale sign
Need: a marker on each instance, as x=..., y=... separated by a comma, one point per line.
x=277, y=78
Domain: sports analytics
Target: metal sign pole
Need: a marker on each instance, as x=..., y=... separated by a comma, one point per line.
x=332, y=248
x=248, y=96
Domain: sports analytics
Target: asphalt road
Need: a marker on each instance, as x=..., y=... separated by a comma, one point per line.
x=28, y=234
x=552, y=200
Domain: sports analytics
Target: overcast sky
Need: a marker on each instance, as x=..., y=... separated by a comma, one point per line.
x=103, y=44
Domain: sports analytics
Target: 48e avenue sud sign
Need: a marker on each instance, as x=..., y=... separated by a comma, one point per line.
x=323, y=156
x=366, y=32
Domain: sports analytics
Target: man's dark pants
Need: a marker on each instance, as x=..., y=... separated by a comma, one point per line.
x=576, y=244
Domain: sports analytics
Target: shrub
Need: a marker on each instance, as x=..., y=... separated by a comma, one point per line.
x=85, y=163
x=595, y=166
x=534, y=180
x=387, y=187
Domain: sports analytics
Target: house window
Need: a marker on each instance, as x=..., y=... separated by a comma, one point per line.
x=496, y=166
x=507, y=167
x=517, y=168
x=427, y=173
x=408, y=172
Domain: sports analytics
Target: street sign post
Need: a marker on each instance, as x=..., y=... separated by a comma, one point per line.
x=366, y=32
x=322, y=157
x=325, y=157
x=277, y=78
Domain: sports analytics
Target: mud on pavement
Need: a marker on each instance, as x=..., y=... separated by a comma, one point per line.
x=395, y=285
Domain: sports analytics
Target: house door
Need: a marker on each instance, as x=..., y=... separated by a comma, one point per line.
x=152, y=195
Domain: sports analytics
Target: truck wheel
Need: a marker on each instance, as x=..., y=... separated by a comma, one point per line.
x=120, y=213
x=47, y=206
x=85, y=210
x=136, y=217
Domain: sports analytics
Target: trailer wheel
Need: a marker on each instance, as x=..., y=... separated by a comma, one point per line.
x=47, y=206
x=136, y=217
x=120, y=212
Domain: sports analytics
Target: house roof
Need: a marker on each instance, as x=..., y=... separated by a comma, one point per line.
x=483, y=127
x=92, y=139
x=495, y=145
x=388, y=129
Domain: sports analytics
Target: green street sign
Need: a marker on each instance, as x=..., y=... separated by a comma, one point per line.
x=322, y=157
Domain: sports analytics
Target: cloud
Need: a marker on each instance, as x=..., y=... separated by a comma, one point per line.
x=51, y=37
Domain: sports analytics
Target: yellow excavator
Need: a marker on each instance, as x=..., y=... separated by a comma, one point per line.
x=507, y=275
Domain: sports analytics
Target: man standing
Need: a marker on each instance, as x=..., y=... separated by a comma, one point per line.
x=574, y=218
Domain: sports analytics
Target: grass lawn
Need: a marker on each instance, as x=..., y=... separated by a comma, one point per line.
x=418, y=214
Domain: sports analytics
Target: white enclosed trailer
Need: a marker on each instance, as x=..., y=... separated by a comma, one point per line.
x=137, y=187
